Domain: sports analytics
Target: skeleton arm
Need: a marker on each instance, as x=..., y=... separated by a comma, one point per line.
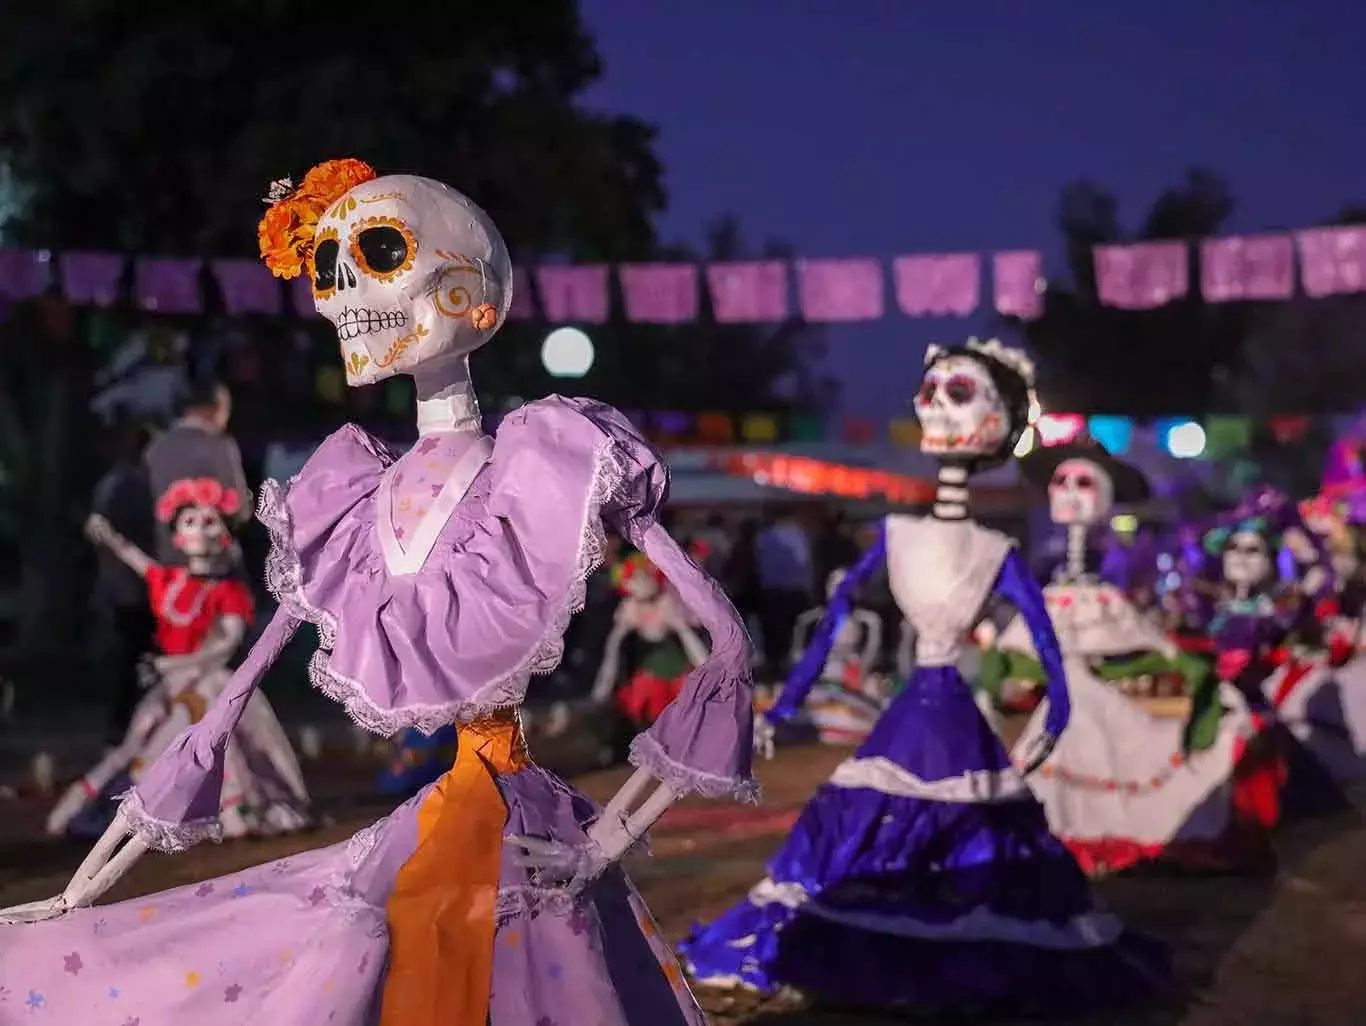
x=175, y=803
x=623, y=624
x=101, y=532
x=223, y=640
x=872, y=637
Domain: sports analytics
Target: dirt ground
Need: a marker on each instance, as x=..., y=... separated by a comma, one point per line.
x=1278, y=949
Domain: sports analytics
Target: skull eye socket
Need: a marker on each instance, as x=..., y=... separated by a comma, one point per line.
x=960, y=389
x=325, y=255
x=383, y=247
x=928, y=388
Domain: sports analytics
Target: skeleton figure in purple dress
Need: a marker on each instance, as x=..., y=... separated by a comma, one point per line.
x=439, y=585
x=923, y=873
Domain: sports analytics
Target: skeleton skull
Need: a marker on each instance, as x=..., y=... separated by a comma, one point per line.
x=1247, y=559
x=408, y=270
x=198, y=530
x=1080, y=492
x=960, y=411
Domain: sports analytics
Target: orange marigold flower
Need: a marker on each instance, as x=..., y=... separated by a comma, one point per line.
x=286, y=232
x=333, y=179
x=278, y=237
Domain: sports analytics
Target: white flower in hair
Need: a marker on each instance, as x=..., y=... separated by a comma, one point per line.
x=279, y=189
x=933, y=352
x=1015, y=359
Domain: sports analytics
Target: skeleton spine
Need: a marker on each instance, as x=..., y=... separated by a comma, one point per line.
x=1076, y=551
x=951, y=496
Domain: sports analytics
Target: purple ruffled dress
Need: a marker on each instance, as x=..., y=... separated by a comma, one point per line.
x=304, y=940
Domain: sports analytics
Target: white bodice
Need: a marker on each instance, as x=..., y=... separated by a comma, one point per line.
x=941, y=573
x=1092, y=619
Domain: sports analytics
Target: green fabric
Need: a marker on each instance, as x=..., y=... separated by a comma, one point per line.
x=1199, y=684
x=666, y=659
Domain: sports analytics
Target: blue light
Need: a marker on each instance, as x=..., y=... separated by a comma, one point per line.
x=1115, y=433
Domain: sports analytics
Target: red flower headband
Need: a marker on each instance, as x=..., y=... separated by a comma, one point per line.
x=200, y=491
x=633, y=565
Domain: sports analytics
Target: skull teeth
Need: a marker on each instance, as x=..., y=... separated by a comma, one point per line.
x=360, y=320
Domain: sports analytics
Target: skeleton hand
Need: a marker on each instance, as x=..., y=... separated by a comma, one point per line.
x=98, y=529
x=33, y=912
x=112, y=856
x=568, y=868
x=1038, y=751
x=149, y=672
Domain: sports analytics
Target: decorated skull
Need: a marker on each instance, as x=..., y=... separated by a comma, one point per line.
x=194, y=509
x=960, y=411
x=1080, y=492
x=1247, y=559
x=408, y=270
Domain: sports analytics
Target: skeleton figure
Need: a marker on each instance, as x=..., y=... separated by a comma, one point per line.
x=201, y=621
x=650, y=610
x=873, y=868
x=850, y=662
x=848, y=697
x=439, y=582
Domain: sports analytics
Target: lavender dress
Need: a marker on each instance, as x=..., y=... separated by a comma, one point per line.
x=304, y=940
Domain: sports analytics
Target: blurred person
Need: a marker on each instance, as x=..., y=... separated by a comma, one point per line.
x=198, y=445
x=124, y=624
x=787, y=577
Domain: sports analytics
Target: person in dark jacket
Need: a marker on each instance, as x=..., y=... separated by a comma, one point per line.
x=123, y=618
x=195, y=446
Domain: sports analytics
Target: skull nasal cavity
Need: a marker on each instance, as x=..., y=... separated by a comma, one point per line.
x=383, y=248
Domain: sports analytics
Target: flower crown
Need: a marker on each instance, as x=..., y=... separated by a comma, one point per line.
x=1015, y=359
x=634, y=565
x=286, y=233
x=199, y=491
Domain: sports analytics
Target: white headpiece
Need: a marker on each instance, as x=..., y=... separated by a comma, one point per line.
x=1016, y=359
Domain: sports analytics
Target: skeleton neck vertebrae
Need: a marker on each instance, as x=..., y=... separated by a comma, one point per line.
x=1076, y=551
x=445, y=398
x=951, y=495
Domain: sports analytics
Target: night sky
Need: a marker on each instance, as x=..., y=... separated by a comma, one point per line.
x=878, y=127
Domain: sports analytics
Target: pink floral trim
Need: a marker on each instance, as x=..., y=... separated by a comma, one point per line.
x=284, y=578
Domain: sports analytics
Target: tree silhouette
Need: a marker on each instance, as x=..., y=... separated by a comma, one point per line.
x=1178, y=359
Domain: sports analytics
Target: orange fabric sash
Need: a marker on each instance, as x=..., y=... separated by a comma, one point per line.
x=441, y=911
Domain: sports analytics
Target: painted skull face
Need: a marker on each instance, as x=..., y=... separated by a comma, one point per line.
x=960, y=411
x=1247, y=559
x=408, y=270
x=1080, y=492
x=198, y=530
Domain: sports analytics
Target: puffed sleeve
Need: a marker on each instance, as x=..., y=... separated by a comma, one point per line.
x=1015, y=584
x=175, y=804
x=704, y=739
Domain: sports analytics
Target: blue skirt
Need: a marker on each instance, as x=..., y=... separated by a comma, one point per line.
x=923, y=875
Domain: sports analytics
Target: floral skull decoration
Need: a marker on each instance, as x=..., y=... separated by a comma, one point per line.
x=194, y=509
x=960, y=411
x=408, y=270
x=1079, y=492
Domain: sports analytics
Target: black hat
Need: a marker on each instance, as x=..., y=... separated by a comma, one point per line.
x=1129, y=483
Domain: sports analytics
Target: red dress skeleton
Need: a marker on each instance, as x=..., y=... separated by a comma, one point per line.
x=201, y=619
